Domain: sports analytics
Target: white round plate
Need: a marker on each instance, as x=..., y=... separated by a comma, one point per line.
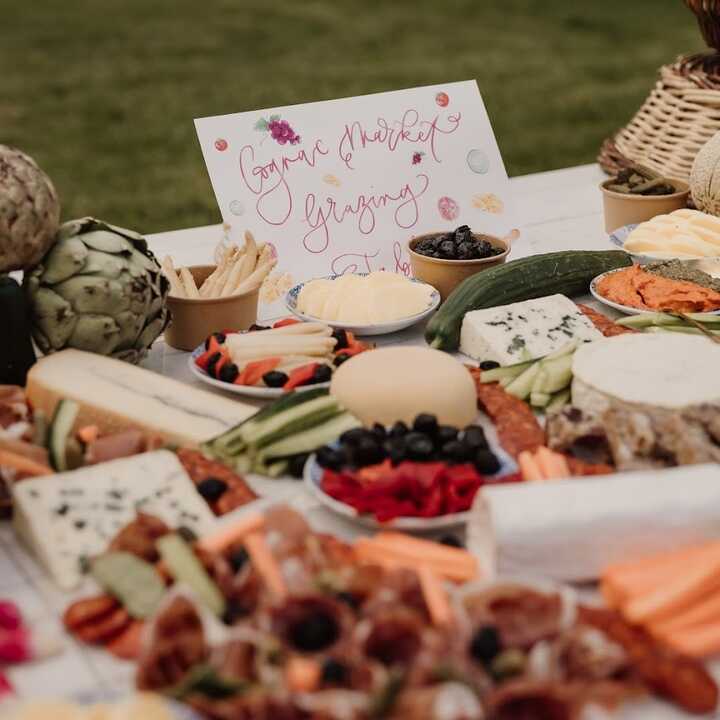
x=253, y=391
x=617, y=306
x=376, y=329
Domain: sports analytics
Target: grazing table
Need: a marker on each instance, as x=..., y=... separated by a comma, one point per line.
x=556, y=210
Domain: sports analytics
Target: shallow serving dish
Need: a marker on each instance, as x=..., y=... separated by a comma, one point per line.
x=376, y=329
x=626, y=309
x=254, y=391
x=619, y=236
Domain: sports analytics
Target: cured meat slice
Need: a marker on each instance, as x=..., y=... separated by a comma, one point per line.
x=603, y=323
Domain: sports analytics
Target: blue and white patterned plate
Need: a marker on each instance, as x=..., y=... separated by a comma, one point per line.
x=376, y=329
x=618, y=238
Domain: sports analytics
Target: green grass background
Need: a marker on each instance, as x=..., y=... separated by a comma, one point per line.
x=103, y=92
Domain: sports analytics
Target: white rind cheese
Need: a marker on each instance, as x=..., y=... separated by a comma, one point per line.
x=116, y=395
x=66, y=517
x=666, y=370
x=523, y=331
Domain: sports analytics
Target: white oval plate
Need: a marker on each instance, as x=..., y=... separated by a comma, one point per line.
x=376, y=329
x=254, y=391
x=617, y=306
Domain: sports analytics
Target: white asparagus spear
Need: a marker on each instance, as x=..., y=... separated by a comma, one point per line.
x=176, y=286
x=299, y=341
x=277, y=350
x=298, y=328
x=189, y=283
x=232, y=279
x=213, y=285
x=250, y=260
x=256, y=279
x=223, y=258
x=250, y=355
x=221, y=279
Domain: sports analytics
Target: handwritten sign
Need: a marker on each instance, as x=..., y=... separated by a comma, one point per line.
x=343, y=185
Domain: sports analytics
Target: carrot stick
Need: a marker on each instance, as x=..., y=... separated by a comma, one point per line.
x=302, y=674
x=265, y=563
x=88, y=433
x=707, y=611
x=529, y=468
x=23, y=464
x=552, y=465
x=698, y=642
x=435, y=596
x=426, y=549
x=675, y=594
x=224, y=537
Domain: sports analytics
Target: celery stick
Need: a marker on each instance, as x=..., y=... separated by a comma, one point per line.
x=557, y=374
x=498, y=373
x=521, y=386
x=539, y=399
x=559, y=400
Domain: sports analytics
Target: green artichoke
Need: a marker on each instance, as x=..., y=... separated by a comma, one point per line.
x=98, y=289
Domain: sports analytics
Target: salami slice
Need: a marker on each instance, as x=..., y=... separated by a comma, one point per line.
x=603, y=323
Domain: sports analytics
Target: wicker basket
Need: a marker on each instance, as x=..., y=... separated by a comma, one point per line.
x=681, y=113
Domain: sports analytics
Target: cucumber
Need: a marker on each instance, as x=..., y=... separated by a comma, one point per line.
x=497, y=374
x=556, y=374
x=66, y=411
x=185, y=567
x=559, y=400
x=521, y=386
x=134, y=582
x=540, y=399
x=648, y=320
x=569, y=273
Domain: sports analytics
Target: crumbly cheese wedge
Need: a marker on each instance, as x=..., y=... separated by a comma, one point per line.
x=115, y=395
x=66, y=517
x=523, y=331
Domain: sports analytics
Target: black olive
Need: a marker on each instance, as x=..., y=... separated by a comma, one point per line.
x=296, y=465
x=349, y=599
x=254, y=327
x=220, y=337
x=238, y=558
x=340, y=359
x=489, y=365
x=455, y=452
x=322, y=374
x=398, y=429
x=229, y=372
x=353, y=437
x=379, y=431
x=426, y=424
x=451, y=541
x=486, y=462
x=446, y=433
x=330, y=458
x=275, y=378
x=212, y=362
x=420, y=448
x=395, y=450
x=314, y=633
x=485, y=644
x=334, y=672
x=342, y=339
x=474, y=437
x=234, y=611
x=212, y=488
x=187, y=534
x=368, y=452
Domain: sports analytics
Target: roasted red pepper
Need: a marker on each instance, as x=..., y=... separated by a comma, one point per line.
x=300, y=376
x=252, y=373
x=286, y=321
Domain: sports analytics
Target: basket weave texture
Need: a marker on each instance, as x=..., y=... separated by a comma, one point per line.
x=679, y=116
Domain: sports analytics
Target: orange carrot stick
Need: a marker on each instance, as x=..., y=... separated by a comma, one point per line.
x=553, y=466
x=435, y=596
x=266, y=565
x=706, y=611
x=302, y=674
x=23, y=464
x=88, y=433
x=529, y=468
x=701, y=641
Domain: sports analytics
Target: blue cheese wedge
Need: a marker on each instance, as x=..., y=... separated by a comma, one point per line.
x=524, y=331
x=66, y=518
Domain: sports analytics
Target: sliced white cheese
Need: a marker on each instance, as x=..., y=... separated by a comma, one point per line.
x=666, y=370
x=66, y=517
x=116, y=395
x=522, y=331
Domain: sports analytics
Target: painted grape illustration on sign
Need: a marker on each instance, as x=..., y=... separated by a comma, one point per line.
x=449, y=209
x=221, y=144
x=442, y=99
x=478, y=161
x=417, y=157
x=279, y=130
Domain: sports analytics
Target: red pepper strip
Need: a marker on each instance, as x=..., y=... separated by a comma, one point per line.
x=350, y=351
x=300, y=376
x=224, y=359
x=252, y=373
x=213, y=346
x=286, y=321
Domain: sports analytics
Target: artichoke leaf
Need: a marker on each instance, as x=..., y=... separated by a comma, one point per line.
x=105, y=241
x=54, y=319
x=104, y=264
x=90, y=294
x=131, y=325
x=64, y=260
x=71, y=228
x=150, y=333
x=147, y=262
x=95, y=333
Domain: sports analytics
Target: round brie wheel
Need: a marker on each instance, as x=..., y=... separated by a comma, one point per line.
x=669, y=370
x=399, y=383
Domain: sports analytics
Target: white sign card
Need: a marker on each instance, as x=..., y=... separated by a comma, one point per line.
x=343, y=185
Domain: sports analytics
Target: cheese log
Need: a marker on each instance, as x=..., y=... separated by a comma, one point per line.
x=66, y=517
x=526, y=330
x=116, y=395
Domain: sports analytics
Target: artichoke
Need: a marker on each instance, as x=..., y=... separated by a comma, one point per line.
x=98, y=289
x=29, y=211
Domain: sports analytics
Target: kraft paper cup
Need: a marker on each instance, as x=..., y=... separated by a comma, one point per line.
x=446, y=275
x=625, y=209
x=193, y=319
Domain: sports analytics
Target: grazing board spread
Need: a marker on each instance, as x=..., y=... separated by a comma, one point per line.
x=361, y=544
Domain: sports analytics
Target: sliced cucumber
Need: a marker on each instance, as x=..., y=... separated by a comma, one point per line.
x=648, y=319
x=540, y=399
x=66, y=412
x=185, y=567
x=567, y=349
x=134, y=582
x=556, y=374
x=559, y=400
x=540, y=380
x=500, y=373
x=40, y=428
x=521, y=386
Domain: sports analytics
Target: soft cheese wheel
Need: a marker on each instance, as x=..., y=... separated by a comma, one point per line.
x=666, y=370
x=399, y=383
x=115, y=396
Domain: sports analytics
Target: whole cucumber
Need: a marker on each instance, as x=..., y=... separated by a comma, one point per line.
x=568, y=272
x=17, y=355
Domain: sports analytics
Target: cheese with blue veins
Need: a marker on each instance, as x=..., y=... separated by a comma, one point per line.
x=523, y=331
x=66, y=518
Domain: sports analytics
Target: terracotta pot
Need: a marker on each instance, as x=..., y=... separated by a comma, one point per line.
x=446, y=275
x=194, y=319
x=626, y=209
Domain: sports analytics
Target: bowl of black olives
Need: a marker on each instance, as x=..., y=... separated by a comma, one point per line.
x=445, y=259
